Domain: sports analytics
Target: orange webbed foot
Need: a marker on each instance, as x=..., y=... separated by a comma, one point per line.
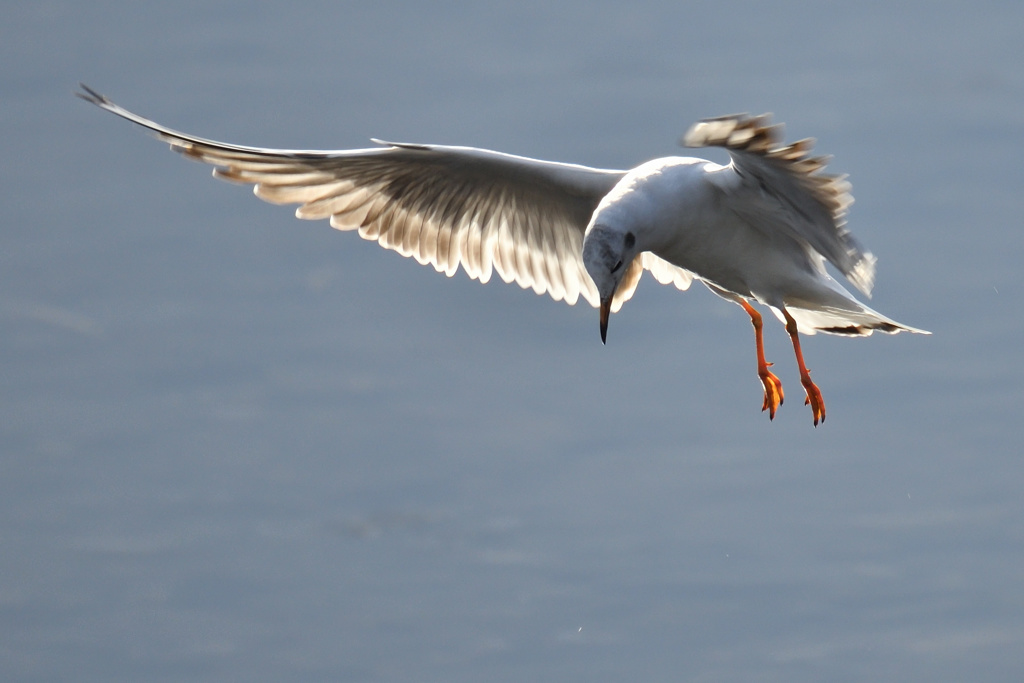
x=814, y=399
x=773, y=394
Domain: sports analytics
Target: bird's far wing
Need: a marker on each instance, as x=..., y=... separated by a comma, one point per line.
x=787, y=190
x=446, y=206
x=666, y=273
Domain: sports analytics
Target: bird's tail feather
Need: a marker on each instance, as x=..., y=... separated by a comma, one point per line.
x=835, y=320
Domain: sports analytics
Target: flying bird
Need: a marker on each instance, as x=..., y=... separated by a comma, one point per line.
x=758, y=229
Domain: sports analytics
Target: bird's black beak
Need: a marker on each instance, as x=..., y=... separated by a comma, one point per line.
x=606, y=309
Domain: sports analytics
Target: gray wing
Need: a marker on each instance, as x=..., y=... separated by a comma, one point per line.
x=446, y=206
x=788, y=192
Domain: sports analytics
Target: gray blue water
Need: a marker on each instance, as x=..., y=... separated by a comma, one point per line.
x=240, y=447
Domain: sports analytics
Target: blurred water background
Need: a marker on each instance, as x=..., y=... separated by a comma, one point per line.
x=240, y=447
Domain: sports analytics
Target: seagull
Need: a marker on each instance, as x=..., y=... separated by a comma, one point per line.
x=758, y=229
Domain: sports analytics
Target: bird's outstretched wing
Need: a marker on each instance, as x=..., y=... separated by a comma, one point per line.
x=785, y=190
x=446, y=206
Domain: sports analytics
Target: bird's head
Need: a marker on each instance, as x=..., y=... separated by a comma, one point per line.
x=607, y=253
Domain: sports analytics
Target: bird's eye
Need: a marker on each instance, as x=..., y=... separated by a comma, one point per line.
x=617, y=266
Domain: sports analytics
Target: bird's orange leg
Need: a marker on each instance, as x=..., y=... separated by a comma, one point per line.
x=773, y=395
x=813, y=393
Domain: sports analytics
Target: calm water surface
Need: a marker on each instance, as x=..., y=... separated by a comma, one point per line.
x=240, y=447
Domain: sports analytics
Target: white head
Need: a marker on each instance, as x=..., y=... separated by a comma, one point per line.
x=607, y=253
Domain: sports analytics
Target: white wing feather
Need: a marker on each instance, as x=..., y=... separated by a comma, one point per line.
x=785, y=190
x=447, y=206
